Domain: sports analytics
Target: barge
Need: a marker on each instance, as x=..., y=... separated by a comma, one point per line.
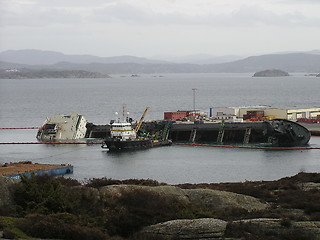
x=27, y=168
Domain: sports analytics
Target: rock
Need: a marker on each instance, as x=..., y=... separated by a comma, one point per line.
x=271, y=73
x=205, y=199
x=307, y=186
x=170, y=191
x=318, y=75
x=197, y=229
x=279, y=226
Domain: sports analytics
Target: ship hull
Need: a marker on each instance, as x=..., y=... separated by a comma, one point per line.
x=136, y=144
x=277, y=133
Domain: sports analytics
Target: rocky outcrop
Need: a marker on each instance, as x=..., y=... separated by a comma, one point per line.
x=318, y=75
x=271, y=73
x=308, y=186
x=207, y=199
x=280, y=227
x=204, y=199
x=196, y=229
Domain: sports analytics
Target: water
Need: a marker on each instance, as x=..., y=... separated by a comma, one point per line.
x=27, y=102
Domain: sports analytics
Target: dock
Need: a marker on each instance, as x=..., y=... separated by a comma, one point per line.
x=27, y=168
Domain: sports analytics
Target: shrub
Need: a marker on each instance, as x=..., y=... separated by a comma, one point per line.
x=100, y=182
x=42, y=226
x=139, y=208
x=39, y=194
x=9, y=234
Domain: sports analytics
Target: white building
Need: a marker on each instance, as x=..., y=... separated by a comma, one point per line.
x=269, y=112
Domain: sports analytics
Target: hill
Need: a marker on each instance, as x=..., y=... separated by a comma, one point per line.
x=39, y=57
x=35, y=59
x=292, y=62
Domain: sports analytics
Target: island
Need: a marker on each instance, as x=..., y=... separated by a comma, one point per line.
x=271, y=73
x=48, y=73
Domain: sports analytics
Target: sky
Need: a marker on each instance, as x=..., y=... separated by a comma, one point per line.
x=149, y=28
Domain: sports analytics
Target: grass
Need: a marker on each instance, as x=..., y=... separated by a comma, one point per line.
x=10, y=224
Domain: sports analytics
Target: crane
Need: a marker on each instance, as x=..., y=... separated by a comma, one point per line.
x=141, y=119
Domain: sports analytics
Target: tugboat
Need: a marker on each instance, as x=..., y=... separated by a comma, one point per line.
x=124, y=137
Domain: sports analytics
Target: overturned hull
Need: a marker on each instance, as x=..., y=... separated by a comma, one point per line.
x=278, y=132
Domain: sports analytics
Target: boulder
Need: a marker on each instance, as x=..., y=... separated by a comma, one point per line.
x=196, y=229
x=170, y=191
x=208, y=199
x=308, y=186
x=280, y=226
x=205, y=199
x=271, y=73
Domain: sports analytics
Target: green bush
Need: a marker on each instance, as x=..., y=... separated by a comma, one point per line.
x=139, y=208
x=100, y=182
x=39, y=194
x=42, y=226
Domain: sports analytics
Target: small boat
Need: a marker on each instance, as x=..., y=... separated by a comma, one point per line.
x=124, y=137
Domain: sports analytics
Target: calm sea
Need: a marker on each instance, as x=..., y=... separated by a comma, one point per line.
x=27, y=102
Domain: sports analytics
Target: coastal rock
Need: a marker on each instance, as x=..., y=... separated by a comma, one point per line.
x=196, y=229
x=170, y=191
x=307, y=186
x=318, y=75
x=271, y=73
x=279, y=226
x=205, y=199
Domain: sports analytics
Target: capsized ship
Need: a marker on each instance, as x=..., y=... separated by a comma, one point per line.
x=124, y=137
x=63, y=127
x=276, y=133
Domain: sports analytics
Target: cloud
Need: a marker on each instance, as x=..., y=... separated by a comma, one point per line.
x=229, y=13
x=30, y=13
x=244, y=15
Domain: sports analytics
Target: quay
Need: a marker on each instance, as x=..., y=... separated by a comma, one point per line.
x=27, y=168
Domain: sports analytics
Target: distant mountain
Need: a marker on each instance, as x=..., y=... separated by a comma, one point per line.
x=200, y=59
x=39, y=57
x=290, y=62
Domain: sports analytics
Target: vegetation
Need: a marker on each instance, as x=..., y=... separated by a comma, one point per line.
x=60, y=208
x=284, y=193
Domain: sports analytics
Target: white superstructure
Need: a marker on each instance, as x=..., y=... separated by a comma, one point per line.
x=122, y=131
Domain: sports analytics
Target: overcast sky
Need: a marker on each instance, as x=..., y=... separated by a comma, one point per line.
x=149, y=28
